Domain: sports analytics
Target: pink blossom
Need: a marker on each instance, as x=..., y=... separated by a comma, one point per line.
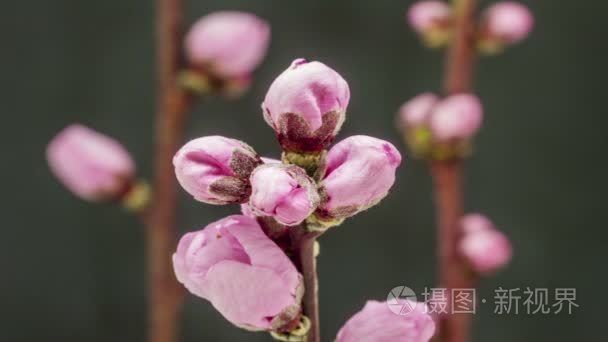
x=377, y=323
x=427, y=15
x=243, y=273
x=306, y=105
x=360, y=171
x=231, y=44
x=486, y=248
x=91, y=165
x=456, y=117
x=284, y=192
x=416, y=112
x=507, y=22
x=216, y=169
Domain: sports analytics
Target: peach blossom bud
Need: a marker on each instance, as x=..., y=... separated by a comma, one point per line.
x=91, y=165
x=284, y=192
x=506, y=23
x=485, y=247
x=228, y=44
x=456, y=117
x=416, y=112
x=377, y=323
x=306, y=106
x=243, y=273
x=428, y=15
x=216, y=169
x=360, y=172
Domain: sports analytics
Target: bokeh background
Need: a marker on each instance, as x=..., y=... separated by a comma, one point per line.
x=73, y=271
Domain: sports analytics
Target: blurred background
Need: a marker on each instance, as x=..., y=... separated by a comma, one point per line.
x=73, y=271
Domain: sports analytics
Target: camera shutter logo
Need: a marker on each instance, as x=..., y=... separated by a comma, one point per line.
x=401, y=300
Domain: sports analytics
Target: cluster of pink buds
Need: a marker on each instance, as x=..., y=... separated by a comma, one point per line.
x=502, y=24
x=440, y=128
x=485, y=248
x=222, y=50
x=235, y=263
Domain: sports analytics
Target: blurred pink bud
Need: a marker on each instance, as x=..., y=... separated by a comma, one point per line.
x=216, y=169
x=472, y=223
x=456, y=117
x=284, y=192
x=416, y=112
x=228, y=44
x=243, y=273
x=306, y=106
x=377, y=323
x=424, y=16
x=360, y=171
x=507, y=22
x=91, y=165
x=486, y=248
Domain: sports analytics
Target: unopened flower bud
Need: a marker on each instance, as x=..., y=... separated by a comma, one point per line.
x=457, y=117
x=216, y=169
x=306, y=106
x=377, y=323
x=284, y=192
x=416, y=112
x=91, y=165
x=431, y=19
x=360, y=172
x=243, y=273
x=225, y=48
x=485, y=248
x=504, y=23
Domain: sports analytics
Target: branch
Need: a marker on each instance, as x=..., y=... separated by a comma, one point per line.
x=303, y=242
x=447, y=175
x=165, y=294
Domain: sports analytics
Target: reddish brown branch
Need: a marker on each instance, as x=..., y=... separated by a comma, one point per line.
x=461, y=55
x=453, y=275
x=447, y=175
x=303, y=243
x=165, y=294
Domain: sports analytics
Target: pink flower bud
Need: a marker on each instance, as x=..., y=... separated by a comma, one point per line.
x=507, y=22
x=216, y=169
x=306, y=106
x=91, y=165
x=284, y=192
x=360, y=171
x=424, y=16
x=472, y=223
x=485, y=248
x=243, y=273
x=377, y=323
x=415, y=112
x=228, y=44
x=456, y=117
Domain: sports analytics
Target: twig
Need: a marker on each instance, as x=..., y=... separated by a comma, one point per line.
x=447, y=175
x=304, y=244
x=165, y=295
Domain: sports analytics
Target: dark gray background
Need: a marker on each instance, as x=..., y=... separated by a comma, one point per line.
x=72, y=271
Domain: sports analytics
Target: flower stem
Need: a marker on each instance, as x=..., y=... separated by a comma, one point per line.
x=164, y=293
x=304, y=241
x=447, y=175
